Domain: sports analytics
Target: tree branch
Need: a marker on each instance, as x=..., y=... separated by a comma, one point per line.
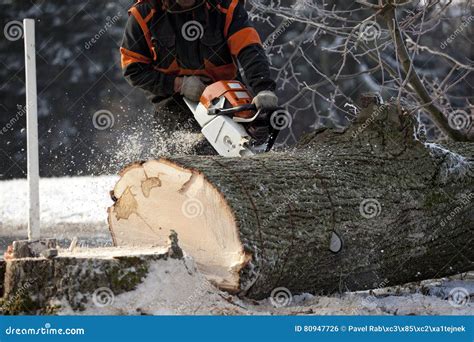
x=436, y=113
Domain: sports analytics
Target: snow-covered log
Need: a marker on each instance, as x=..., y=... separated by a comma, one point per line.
x=345, y=210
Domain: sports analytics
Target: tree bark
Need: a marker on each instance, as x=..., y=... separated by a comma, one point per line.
x=80, y=279
x=399, y=210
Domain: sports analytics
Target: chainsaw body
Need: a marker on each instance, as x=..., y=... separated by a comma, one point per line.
x=230, y=122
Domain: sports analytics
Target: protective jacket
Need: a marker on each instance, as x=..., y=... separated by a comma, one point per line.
x=209, y=40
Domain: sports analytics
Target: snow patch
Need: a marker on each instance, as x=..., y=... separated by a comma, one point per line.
x=70, y=207
x=454, y=165
x=172, y=287
x=176, y=287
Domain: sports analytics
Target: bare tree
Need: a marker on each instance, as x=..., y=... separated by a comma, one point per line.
x=326, y=53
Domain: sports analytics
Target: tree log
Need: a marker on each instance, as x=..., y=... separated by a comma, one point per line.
x=345, y=210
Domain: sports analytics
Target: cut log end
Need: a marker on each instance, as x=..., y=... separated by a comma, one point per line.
x=159, y=196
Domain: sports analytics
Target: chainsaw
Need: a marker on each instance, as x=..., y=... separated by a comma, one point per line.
x=231, y=123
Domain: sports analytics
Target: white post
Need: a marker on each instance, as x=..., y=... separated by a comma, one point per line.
x=32, y=131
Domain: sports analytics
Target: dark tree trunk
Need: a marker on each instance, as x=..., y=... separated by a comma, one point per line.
x=401, y=208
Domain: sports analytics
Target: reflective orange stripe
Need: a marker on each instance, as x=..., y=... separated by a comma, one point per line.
x=230, y=16
x=221, y=72
x=150, y=15
x=142, y=23
x=128, y=57
x=242, y=39
x=216, y=73
x=222, y=9
x=172, y=69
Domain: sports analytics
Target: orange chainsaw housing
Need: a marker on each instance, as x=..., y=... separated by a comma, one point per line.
x=235, y=93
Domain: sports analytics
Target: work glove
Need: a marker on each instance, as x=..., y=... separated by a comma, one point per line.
x=265, y=99
x=192, y=88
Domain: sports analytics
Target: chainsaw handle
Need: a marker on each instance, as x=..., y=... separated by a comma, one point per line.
x=231, y=111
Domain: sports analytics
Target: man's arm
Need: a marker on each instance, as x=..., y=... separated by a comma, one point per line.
x=136, y=59
x=255, y=63
x=245, y=44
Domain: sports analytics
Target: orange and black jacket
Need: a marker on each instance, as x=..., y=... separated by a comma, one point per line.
x=158, y=46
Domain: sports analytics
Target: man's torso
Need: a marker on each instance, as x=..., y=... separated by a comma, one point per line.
x=191, y=42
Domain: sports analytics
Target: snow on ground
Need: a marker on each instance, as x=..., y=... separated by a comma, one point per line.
x=77, y=207
x=175, y=287
x=172, y=287
x=70, y=207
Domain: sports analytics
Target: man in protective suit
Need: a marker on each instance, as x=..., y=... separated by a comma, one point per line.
x=174, y=48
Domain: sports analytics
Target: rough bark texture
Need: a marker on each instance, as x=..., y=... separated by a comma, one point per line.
x=43, y=286
x=402, y=208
